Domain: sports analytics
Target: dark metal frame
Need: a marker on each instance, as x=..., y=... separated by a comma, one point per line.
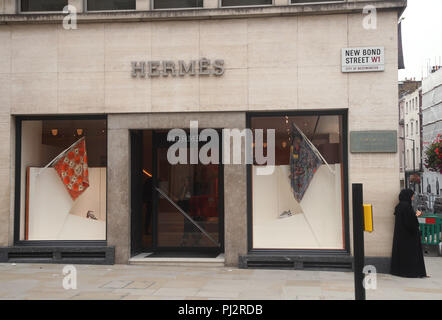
x=346, y=251
x=155, y=247
x=17, y=196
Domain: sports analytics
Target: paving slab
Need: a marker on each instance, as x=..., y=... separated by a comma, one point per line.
x=133, y=282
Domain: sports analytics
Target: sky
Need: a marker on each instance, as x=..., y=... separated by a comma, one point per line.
x=421, y=37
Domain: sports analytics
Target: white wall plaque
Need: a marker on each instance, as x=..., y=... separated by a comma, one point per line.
x=365, y=59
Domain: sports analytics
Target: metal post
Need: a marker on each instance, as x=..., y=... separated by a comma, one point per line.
x=358, y=241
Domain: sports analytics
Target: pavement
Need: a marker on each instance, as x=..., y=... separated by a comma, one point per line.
x=135, y=282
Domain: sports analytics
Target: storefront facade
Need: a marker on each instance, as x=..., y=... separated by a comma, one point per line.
x=123, y=79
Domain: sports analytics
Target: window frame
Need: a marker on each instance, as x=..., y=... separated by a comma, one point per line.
x=306, y=2
x=17, y=188
x=345, y=189
x=19, y=10
x=152, y=7
x=220, y=5
x=85, y=8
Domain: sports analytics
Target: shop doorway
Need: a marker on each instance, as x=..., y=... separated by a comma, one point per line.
x=177, y=209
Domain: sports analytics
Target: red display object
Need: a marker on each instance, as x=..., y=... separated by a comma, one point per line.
x=73, y=170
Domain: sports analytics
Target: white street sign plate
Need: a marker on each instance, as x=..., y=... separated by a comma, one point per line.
x=366, y=59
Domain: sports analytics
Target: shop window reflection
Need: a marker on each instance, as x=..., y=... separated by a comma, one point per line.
x=63, y=180
x=299, y=206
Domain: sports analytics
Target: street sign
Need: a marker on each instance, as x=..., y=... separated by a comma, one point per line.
x=367, y=59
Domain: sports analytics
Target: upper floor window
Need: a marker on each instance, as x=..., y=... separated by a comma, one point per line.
x=176, y=4
x=308, y=1
x=98, y=5
x=411, y=131
x=406, y=109
x=42, y=5
x=417, y=128
x=236, y=3
x=417, y=103
x=406, y=131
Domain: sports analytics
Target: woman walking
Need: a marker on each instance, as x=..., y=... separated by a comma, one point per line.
x=407, y=258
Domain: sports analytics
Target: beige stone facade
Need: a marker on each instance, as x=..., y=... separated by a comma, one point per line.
x=276, y=58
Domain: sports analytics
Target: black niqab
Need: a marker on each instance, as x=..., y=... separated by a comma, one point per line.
x=404, y=201
x=407, y=257
x=406, y=195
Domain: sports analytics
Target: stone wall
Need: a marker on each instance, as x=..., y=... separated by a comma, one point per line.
x=272, y=63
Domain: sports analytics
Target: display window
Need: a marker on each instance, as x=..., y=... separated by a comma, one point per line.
x=62, y=187
x=300, y=206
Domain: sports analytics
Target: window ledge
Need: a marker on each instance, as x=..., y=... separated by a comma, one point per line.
x=203, y=13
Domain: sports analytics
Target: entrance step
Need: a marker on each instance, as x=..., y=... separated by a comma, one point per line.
x=148, y=259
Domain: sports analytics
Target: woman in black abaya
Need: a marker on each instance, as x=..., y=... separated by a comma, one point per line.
x=407, y=258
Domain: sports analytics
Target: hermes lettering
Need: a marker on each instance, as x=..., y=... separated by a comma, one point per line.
x=202, y=67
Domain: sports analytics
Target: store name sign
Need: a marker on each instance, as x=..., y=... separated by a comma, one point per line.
x=365, y=59
x=202, y=67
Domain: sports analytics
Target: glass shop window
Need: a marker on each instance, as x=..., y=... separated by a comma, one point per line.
x=176, y=4
x=42, y=5
x=236, y=3
x=98, y=5
x=300, y=204
x=63, y=179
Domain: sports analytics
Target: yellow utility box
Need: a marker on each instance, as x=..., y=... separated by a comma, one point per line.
x=368, y=217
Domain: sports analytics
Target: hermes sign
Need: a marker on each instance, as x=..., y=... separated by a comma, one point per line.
x=202, y=67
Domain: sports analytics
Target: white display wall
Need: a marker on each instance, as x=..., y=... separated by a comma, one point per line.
x=316, y=221
x=53, y=215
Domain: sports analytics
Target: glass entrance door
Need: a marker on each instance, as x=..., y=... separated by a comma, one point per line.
x=187, y=202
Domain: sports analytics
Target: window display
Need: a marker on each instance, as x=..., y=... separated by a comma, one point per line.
x=299, y=206
x=63, y=180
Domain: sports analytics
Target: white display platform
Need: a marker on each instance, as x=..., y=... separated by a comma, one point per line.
x=316, y=222
x=52, y=213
